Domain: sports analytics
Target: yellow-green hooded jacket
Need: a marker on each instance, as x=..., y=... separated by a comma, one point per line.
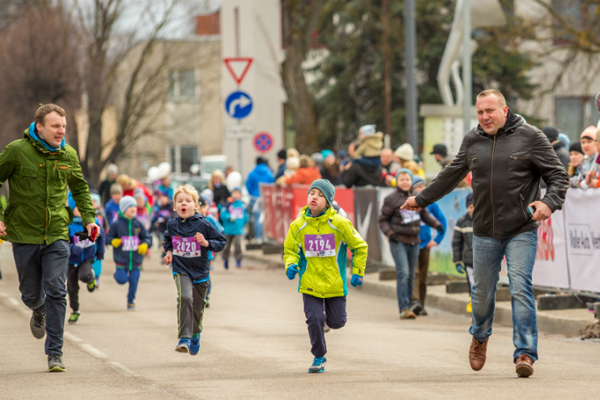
x=318, y=245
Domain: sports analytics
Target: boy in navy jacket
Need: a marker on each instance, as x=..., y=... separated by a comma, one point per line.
x=234, y=217
x=131, y=241
x=83, y=255
x=188, y=240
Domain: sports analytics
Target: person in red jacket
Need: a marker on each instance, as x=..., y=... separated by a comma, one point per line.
x=306, y=174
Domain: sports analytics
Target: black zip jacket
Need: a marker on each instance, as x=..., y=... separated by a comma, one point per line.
x=462, y=242
x=190, y=263
x=507, y=169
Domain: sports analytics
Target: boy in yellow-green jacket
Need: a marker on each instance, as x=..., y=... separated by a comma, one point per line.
x=316, y=247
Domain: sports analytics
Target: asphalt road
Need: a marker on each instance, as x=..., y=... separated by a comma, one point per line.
x=255, y=345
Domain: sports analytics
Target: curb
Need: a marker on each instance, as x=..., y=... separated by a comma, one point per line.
x=551, y=322
x=561, y=322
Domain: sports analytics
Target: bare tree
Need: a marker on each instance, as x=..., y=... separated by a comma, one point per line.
x=39, y=63
x=300, y=20
x=118, y=73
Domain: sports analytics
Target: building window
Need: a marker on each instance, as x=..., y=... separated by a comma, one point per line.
x=574, y=114
x=182, y=85
x=577, y=15
x=182, y=158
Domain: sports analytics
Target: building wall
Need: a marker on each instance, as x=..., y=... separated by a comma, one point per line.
x=260, y=38
x=562, y=105
x=179, y=121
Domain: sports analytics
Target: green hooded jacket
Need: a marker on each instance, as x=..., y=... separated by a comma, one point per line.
x=36, y=212
x=318, y=246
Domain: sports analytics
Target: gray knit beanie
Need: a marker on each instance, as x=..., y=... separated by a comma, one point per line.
x=326, y=188
x=126, y=202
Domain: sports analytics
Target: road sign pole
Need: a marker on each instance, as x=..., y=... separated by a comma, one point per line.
x=240, y=158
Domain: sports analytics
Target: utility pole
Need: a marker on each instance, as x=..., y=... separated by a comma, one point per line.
x=410, y=39
x=467, y=67
x=387, y=78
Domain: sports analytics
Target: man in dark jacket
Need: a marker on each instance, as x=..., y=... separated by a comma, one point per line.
x=363, y=172
x=507, y=158
x=281, y=159
x=558, y=145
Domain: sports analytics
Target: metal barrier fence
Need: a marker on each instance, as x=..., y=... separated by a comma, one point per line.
x=568, y=255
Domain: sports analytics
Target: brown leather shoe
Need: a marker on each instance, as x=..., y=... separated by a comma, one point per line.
x=524, y=366
x=477, y=354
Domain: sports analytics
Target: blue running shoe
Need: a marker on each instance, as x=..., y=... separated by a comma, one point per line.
x=318, y=365
x=183, y=346
x=195, y=345
x=226, y=264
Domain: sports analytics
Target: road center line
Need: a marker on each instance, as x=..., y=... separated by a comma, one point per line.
x=123, y=368
x=88, y=348
x=72, y=337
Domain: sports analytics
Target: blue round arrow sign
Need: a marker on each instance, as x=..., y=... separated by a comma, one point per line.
x=238, y=105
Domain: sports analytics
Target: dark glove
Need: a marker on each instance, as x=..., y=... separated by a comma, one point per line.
x=394, y=238
x=83, y=235
x=460, y=268
x=356, y=280
x=440, y=229
x=291, y=272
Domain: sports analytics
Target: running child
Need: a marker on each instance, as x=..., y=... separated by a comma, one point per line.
x=103, y=224
x=203, y=208
x=131, y=241
x=234, y=217
x=188, y=239
x=83, y=254
x=112, y=207
x=316, y=247
x=462, y=245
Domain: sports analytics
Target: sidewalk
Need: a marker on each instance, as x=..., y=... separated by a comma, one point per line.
x=559, y=322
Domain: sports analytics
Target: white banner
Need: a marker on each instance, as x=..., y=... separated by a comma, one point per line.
x=551, y=260
x=583, y=234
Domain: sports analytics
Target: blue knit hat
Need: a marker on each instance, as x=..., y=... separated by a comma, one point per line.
x=405, y=171
x=126, y=202
x=469, y=199
x=327, y=153
x=325, y=187
x=418, y=180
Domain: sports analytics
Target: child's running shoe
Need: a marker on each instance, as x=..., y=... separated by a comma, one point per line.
x=131, y=307
x=318, y=365
x=183, y=346
x=91, y=286
x=194, y=345
x=238, y=264
x=226, y=264
x=74, y=318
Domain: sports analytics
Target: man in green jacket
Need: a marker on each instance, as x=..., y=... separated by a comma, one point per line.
x=40, y=170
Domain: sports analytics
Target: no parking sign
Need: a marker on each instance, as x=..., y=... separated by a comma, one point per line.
x=263, y=142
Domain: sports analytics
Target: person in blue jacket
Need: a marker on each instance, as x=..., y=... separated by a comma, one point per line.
x=234, y=217
x=261, y=174
x=111, y=209
x=130, y=241
x=83, y=254
x=204, y=207
x=424, y=248
x=188, y=239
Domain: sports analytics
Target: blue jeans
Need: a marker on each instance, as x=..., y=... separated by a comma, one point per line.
x=256, y=210
x=405, y=257
x=122, y=276
x=520, y=254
